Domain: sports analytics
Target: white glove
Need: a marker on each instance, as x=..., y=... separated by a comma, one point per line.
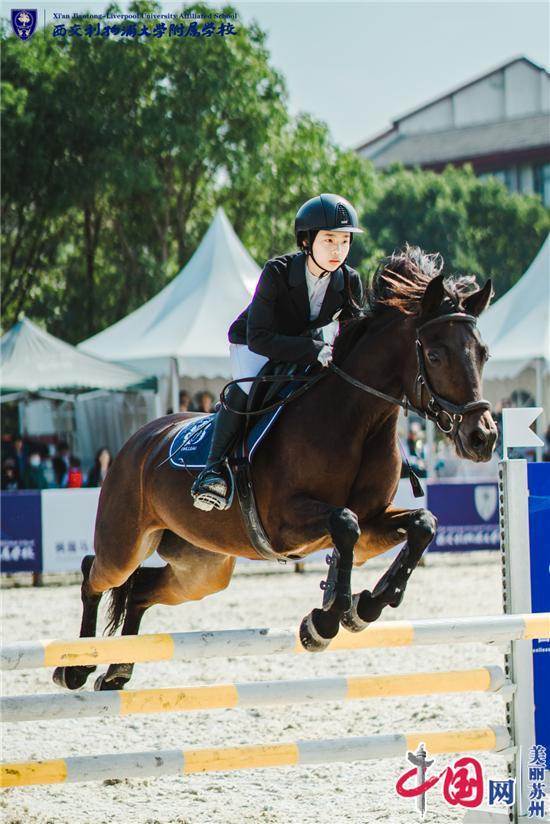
x=325, y=355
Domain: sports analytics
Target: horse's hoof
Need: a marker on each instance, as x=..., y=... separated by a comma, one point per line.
x=101, y=684
x=350, y=620
x=71, y=677
x=310, y=636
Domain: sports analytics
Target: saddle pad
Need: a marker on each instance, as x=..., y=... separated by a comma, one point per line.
x=190, y=446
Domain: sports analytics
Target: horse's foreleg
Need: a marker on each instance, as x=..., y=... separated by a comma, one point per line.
x=74, y=677
x=419, y=526
x=312, y=520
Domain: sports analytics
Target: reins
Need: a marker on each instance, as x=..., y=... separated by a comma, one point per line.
x=436, y=407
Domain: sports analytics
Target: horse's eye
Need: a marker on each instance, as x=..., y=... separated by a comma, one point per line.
x=433, y=357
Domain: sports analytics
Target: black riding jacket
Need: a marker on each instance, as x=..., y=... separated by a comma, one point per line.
x=276, y=324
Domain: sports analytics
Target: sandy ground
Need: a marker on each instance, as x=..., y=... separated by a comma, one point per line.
x=259, y=595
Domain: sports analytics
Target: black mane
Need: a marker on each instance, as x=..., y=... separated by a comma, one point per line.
x=398, y=286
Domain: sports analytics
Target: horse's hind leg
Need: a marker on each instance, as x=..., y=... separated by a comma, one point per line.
x=190, y=574
x=75, y=677
x=420, y=526
x=144, y=582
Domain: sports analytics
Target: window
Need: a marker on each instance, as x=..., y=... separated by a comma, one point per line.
x=542, y=182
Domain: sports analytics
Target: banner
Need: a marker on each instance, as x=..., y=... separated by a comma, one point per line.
x=68, y=519
x=467, y=516
x=21, y=536
x=538, y=475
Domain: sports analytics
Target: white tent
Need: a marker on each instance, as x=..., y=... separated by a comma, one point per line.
x=33, y=360
x=517, y=331
x=184, y=327
x=66, y=392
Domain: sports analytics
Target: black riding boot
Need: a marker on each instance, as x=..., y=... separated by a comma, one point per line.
x=210, y=488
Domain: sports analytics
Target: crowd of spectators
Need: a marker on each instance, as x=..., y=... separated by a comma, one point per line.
x=203, y=401
x=28, y=464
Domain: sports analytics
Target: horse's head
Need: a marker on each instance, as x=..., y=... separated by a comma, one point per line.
x=451, y=356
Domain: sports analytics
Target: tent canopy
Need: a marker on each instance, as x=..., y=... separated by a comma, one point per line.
x=188, y=320
x=517, y=327
x=33, y=360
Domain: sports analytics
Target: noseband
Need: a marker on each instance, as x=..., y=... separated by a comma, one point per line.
x=447, y=416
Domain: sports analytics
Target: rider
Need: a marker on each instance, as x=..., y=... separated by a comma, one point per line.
x=297, y=294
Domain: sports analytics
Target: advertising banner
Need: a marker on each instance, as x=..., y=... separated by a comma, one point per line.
x=538, y=475
x=467, y=516
x=68, y=518
x=21, y=536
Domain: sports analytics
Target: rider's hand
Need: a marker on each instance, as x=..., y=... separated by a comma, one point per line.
x=325, y=355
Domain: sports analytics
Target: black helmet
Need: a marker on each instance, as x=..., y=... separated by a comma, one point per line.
x=326, y=211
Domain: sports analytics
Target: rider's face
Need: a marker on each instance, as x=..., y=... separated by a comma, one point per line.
x=330, y=249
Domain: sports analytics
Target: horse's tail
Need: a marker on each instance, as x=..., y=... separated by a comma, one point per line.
x=118, y=605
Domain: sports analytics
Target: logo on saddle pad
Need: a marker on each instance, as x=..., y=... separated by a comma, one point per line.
x=485, y=498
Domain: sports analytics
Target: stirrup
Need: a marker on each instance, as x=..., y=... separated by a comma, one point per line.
x=209, y=498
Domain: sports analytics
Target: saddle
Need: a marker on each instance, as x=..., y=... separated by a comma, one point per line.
x=190, y=446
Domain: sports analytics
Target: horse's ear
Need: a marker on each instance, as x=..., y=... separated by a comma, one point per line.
x=477, y=302
x=433, y=296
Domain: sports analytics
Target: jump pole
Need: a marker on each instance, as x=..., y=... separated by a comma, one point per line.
x=53, y=706
x=187, y=646
x=302, y=752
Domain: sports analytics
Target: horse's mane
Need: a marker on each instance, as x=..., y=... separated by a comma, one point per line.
x=398, y=285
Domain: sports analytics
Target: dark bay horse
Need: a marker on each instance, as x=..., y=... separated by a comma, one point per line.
x=325, y=477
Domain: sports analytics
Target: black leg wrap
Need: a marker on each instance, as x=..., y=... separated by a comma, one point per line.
x=390, y=589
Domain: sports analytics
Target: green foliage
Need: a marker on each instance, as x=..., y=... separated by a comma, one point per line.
x=117, y=152
x=477, y=225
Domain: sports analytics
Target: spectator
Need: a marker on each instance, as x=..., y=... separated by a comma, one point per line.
x=34, y=476
x=184, y=400
x=61, y=463
x=103, y=461
x=74, y=475
x=10, y=475
x=414, y=447
x=18, y=450
x=204, y=401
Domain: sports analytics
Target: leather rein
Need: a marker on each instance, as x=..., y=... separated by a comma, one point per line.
x=446, y=415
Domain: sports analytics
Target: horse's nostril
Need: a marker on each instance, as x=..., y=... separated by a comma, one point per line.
x=478, y=439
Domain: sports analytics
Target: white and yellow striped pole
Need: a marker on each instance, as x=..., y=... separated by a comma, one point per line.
x=53, y=706
x=185, y=762
x=244, y=642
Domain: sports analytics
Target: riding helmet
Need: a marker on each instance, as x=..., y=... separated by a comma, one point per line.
x=328, y=212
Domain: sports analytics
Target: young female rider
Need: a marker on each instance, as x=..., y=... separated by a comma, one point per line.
x=296, y=296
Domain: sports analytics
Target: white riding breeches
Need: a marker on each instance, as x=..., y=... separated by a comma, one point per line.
x=245, y=363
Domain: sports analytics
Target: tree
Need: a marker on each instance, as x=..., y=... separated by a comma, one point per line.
x=477, y=225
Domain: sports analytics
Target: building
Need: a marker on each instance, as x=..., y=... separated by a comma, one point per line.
x=499, y=122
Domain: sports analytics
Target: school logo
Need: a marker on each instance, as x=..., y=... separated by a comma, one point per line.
x=485, y=498
x=23, y=22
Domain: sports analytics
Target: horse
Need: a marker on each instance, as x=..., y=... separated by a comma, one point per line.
x=325, y=476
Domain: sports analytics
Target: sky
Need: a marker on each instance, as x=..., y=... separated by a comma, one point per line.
x=359, y=65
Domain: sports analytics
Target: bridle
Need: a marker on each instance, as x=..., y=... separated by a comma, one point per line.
x=446, y=415
x=437, y=405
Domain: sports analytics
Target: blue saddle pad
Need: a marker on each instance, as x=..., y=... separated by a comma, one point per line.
x=190, y=446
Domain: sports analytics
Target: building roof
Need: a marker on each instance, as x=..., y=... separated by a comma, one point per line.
x=467, y=142
x=450, y=93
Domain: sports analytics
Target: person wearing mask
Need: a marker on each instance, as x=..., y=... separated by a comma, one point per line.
x=34, y=476
x=297, y=295
x=97, y=473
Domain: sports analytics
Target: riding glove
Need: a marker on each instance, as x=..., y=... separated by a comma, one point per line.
x=325, y=355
